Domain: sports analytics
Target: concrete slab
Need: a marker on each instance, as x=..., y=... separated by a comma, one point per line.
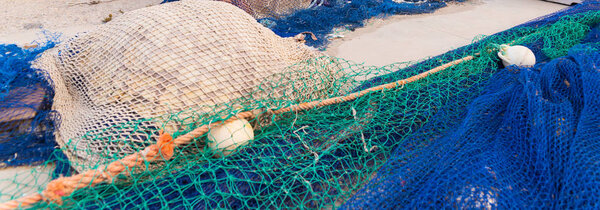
x=416, y=37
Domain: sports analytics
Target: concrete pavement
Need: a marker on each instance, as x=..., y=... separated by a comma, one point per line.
x=416, y=37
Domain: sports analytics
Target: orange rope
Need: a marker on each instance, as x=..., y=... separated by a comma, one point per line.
x=64, y=186
x=163, y=149
x=21, y=202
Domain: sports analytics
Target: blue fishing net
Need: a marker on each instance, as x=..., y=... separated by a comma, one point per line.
x=528, y=141
x=26, y=121
x=322, y=20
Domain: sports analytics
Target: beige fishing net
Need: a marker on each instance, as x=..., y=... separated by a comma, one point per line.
x=271, y=8
x=159, y=60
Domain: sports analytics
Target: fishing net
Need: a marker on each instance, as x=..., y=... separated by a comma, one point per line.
x=269, y=8
x=26, y=120
x=159, y=60
x=528, y=141
x=430, y=142
x=323, y=17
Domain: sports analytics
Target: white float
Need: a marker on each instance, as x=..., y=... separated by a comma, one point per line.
x=516, y=55
x=227, y=137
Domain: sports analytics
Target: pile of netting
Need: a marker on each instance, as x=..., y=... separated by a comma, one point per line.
x=529, y=140
x=27, y=122
x=165, y=59
x=468, y=134
x=323, y=17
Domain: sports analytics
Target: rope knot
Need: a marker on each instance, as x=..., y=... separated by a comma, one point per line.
x=165, y=145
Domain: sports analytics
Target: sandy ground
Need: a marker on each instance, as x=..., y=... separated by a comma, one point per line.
x=416, y=37
x=22, y=21
x=394, y=39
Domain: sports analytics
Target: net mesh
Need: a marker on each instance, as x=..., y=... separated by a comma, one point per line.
x=26, y=120
x=34, y=128
x=526, y=142
x=472, y=135
x=267, y=8
x=133, y=68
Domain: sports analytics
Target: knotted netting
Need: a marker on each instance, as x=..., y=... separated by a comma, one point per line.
x=26, y=121
x=159, y=60
x=528, y=141
x=386, y=148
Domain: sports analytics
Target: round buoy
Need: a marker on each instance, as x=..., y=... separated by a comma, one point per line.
x=516, y=55
x=227, y=137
